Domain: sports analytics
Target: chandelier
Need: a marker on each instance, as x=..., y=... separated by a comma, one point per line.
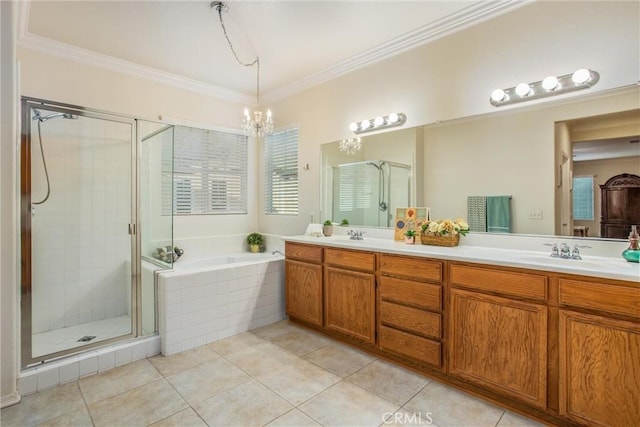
x=256, y=124
x=350, y=145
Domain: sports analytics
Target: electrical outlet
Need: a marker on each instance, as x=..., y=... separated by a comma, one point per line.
x=535, y=214
x=311, y=217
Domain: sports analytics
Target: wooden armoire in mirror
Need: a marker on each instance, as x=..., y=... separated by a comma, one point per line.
x=620, y=197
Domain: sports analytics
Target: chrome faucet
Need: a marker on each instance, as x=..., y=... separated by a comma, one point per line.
x=355, y=235
x=277, y=252
x=565, y=252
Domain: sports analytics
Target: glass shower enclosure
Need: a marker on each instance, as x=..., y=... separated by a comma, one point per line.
x=368, y=192
x=78, y=240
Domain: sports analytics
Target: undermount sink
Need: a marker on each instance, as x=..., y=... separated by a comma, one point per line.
x=565, y=262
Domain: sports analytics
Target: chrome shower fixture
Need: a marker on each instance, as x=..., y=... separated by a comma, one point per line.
x=41, y=118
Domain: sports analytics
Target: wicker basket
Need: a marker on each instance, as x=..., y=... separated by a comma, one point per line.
x=442, y=240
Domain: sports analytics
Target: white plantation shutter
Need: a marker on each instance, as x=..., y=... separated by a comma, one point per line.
x=281, y=173
x=355, y=186
x=209, y=172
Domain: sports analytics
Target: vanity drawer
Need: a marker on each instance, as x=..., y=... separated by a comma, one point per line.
x=525, y=285
x=308, y=253
x=410, y=267
x=411, y=319
x=353, y=260
x=411, y=346
x=600, y=296
x=408, y=292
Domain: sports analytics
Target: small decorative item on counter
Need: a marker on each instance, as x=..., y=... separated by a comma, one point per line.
x=410, y=237
x=255, y=241
x=443, y=232
x=344, y=222
x=409, y=219
x=327, y=228
x=632, y=254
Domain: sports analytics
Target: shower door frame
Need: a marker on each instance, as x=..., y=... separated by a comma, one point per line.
x=26, y=334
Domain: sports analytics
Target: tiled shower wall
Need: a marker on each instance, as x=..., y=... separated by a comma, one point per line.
x=81, y=248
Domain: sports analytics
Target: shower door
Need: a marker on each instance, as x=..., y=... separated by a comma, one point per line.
x=78, y=216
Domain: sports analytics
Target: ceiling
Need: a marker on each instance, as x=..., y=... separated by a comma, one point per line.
x=300, y=43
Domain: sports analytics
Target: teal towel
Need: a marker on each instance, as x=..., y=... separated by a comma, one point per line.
x=499, y=214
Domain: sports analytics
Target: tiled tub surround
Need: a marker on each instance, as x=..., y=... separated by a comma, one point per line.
x=207, y=299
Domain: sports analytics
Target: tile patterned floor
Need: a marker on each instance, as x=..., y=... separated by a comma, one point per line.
x=278, y=375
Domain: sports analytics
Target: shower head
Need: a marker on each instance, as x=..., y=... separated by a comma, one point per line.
x=374, y=164
x=38, y=116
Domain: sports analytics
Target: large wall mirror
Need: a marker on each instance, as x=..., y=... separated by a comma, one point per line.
x=531, y=154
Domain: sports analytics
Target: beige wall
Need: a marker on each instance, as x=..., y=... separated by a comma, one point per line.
x=453, y=77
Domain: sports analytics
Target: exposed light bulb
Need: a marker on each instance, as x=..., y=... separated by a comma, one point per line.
x=498, y=95
x=581, y=76
x=550, y=83
x=365, y=124
x=523, y=89
x=378, y=121
x=353, y=126
x=393, y=117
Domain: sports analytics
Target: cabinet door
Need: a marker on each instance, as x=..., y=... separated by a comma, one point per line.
x=304, y=291
x=500, y=344
x=599, y=370
x=349, y=305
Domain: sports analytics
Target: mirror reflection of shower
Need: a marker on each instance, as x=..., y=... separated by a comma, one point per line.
x=39, y=118
x=368, y=192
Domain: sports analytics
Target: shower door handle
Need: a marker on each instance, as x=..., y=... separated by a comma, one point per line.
x=132, y=229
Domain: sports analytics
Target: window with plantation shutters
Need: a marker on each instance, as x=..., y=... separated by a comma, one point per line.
x=209, y=172
x=281, y=172
x=354, y=185
x=583, y=198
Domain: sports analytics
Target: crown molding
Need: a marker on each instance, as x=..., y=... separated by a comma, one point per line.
x=449, y=24
x=467, y=17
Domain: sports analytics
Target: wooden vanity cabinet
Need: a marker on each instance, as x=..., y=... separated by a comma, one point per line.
x=410, y=308
x=349, y=297
x=599, y=355
x=498, y=331
x=564, y=348
x=303, y=283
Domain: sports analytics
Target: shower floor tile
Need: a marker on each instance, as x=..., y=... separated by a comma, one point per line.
x=67, y=338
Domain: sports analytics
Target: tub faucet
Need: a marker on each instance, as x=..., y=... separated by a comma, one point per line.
x=277, y=252
x=177, y=253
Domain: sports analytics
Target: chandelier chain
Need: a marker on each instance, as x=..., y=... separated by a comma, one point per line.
x=220, y=7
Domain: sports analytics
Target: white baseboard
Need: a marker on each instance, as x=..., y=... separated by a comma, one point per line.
x=9, y=400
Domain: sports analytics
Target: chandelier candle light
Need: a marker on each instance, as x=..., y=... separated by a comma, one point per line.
x=256, y=125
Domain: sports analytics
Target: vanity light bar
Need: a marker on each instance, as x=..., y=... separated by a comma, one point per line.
x=377, y=123
x=551, y=85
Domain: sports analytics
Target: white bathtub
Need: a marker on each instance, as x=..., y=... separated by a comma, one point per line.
x=212, y=262
x=203, y=300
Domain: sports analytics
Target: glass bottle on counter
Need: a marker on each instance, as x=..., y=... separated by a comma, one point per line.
x=632, y=254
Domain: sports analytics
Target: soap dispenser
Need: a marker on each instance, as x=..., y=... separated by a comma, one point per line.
x=632, y=254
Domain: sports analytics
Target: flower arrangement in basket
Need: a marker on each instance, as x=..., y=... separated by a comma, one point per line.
x=443, y=232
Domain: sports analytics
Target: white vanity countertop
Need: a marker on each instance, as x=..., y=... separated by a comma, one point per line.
x=596, y=266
